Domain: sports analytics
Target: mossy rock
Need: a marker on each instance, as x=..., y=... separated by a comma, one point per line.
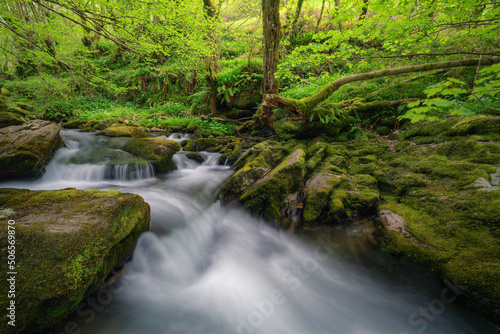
x=67, y=242
x=291, y=129
x=158, y=151
x=463, y=249
x=462, y=172
x=9, y=118
x=119, y=130
x=316, y=152
x=192, y=127
x=190, y=146
x=472, y=149
x=26, y=149
x=479, y=124
x=240, y=181
x=195, y=156
x=240, y=113
x=75, y=124
x=210, y=144
x=18, y=111
x=5, y=92
x=317, y=195
x=3, y=103
x=26, y=106
x=247, y=98
x=383, y=130
x=435, y=129
x=267, y=194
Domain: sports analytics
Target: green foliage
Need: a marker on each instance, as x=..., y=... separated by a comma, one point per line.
x=238, y=75
x=456, y=97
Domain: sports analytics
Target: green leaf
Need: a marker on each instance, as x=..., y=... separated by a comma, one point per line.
x=431, y=91
x=457, y=81
x=413, y=104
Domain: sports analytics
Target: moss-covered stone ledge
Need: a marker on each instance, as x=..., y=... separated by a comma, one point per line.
x=120, y=130
x=25, y=149
x=441, y=179
x=159, y=151
x=67, y=242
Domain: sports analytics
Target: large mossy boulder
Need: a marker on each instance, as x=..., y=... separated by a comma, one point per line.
x=159, y=151
x=267, y=194
x=441, y=179
x=26, y=149
x=120, y=130
x=247, y=99
x=66, y=243
x=269, y=172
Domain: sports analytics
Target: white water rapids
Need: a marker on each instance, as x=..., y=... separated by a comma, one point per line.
x=207, y=269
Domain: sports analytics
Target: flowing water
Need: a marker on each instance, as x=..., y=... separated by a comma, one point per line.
x=207, y=269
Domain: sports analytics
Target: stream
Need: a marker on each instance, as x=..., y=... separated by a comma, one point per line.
x=207, y=269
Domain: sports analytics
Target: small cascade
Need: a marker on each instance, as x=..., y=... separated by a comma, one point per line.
x=179, y=136
x=97, y=173
x=71, y=144
x=183, y=162
x=211, y=159
x=131, y=172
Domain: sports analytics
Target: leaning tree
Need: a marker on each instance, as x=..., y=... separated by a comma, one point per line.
x=454, y=33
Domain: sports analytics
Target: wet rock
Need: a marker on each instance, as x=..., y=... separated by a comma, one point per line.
x=317, y=195
x=119, y=130
x=26, y=149
x=267, y=195
x=158, y=151
x=195, y=156
x=67, y=242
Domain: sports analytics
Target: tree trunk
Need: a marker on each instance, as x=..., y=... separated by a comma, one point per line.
x=272, y=34
x=304, y=106
x=364, y=10
x=320, y=16
x=293, y=30
x=212, y=61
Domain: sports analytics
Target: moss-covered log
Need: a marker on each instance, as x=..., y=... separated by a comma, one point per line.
x=305, y=106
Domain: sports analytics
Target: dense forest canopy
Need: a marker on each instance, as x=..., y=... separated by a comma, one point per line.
x=204, y=53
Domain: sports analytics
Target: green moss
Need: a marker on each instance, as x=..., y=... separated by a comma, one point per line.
x=191, y=146
x=317, y=194
x=471, y=149
x=191, y=127
x=26, y=106
x=67, y=244
x=158, y=151
x=3, y=103
x=30, y=157
x=18, y=111
x=118, y=130
x=210, y=144
x=358, y=168
x=436, y=129
x=8, y=119
x=267, y=195
x=462, y=172
x=195, y=156
x=367, y=159
x=73, y=124
x=383, y=130
x=4, y=92
x=479, y=124
x=240, y=181
x=315, y=153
